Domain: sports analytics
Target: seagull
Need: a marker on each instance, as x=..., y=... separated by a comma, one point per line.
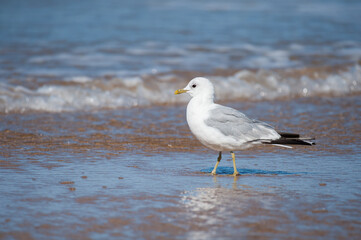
x=223, y=128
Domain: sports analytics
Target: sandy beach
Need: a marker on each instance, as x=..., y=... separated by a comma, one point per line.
x=138, y=173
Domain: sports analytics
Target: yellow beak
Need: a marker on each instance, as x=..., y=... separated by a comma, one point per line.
x=180, y=91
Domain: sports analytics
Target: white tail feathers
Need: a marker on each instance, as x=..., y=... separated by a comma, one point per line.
x=280, y=145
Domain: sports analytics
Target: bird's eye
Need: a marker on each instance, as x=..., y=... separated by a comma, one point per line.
x=194, y=85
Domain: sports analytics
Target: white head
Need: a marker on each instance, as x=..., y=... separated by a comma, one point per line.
x=198, y=87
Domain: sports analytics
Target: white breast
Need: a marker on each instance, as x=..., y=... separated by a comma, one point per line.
x=197, y=113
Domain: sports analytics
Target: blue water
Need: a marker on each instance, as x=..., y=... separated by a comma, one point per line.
x=261, y=22
x=144, y=36
x=66, y=56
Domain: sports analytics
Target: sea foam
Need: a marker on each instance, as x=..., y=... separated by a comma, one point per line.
x=86, y=94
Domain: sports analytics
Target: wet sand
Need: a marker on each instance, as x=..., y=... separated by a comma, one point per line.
x=139, y=173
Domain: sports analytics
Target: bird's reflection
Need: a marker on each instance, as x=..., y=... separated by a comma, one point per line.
x=229, y=201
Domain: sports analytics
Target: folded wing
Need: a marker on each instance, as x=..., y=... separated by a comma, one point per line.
x=233, y=123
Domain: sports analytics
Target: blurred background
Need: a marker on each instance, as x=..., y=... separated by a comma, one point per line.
x=64, y=55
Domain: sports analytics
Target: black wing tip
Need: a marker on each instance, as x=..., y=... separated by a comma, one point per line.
x=289, y=135
x=294, y=139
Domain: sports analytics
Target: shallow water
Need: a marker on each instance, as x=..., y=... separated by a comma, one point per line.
x=138, y=173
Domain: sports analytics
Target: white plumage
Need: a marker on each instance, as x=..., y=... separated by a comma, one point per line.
x=223, y=128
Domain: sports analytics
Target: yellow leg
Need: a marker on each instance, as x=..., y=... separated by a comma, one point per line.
x=235, y=172
x=218, y=160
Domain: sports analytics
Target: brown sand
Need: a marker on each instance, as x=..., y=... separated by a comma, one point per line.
x=139, y=173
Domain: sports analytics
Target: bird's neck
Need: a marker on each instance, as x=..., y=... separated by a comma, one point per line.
x=203, y=100
x=197, y=111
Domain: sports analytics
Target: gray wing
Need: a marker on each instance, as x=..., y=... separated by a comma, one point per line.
x=231, y=122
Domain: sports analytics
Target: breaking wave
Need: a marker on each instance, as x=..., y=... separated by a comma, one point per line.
x=87, y=94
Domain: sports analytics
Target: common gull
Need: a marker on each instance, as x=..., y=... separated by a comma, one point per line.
x=223, y=128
